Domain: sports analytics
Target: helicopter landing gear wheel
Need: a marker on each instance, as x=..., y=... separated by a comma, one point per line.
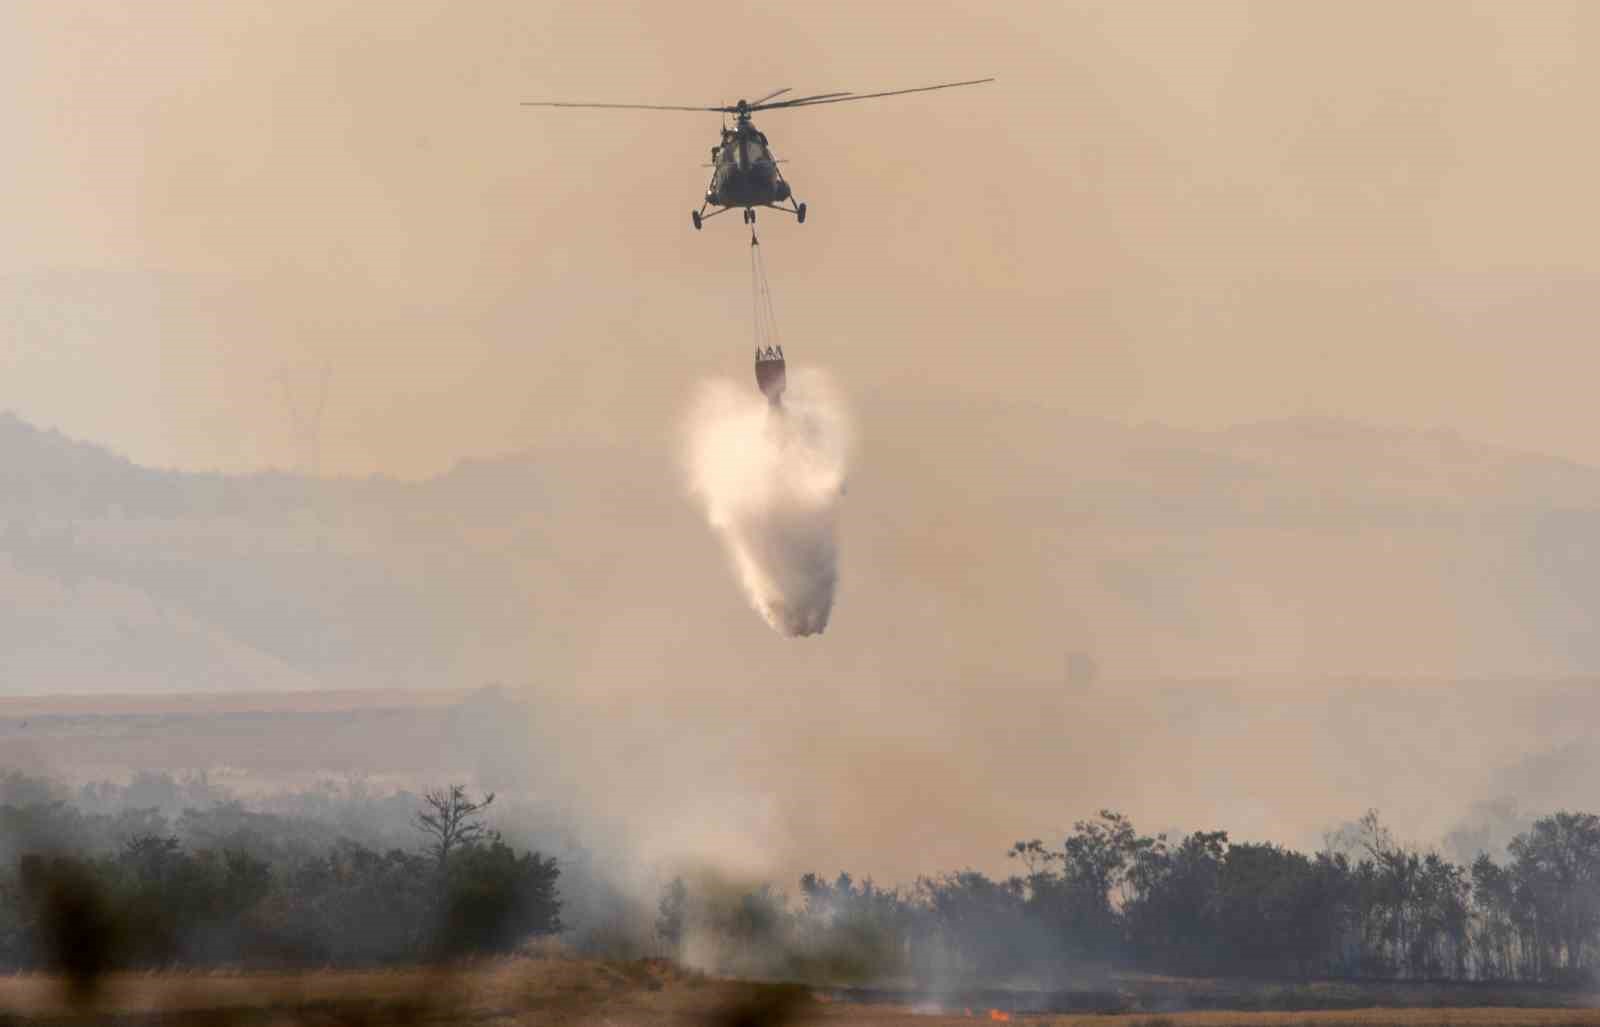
x=694, y=215
x=800, y=214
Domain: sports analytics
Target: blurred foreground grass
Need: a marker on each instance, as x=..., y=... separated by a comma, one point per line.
x=578, y=992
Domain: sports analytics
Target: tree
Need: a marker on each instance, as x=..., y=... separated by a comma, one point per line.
x=983, y=923
x=671, y=913
x=1494, y=898
x=852, y=932
x=1175, y=920
x=1556, y=865
x=451, y=820
x=496, y=899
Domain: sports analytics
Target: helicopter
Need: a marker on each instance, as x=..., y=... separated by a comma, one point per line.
x=745, y=172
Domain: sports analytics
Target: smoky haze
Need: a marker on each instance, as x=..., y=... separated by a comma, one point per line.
x=1186, y=626
x=1188, y=214
x=1237, y=342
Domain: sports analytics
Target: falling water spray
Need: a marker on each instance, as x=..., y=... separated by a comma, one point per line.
x=770, y=477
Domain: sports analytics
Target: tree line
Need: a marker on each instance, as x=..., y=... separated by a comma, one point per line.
x=198, y=878
x=1107, y=896
x=87, y=893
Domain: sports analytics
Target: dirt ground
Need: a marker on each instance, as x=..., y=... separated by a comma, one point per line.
x=582, y=992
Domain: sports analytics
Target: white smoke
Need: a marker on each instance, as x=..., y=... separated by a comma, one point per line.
x=770, y=478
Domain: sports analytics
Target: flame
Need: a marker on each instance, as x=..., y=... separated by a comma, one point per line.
x=999, y=1017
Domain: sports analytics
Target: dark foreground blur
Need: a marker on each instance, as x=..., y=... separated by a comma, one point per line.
x=519, y=990
x=553, y=989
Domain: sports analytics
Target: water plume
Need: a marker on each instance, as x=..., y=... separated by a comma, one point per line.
x=770, y=478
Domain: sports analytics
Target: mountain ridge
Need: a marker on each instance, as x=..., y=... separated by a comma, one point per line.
x=1293, y=546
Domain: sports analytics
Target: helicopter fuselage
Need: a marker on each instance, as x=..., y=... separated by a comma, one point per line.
x=745, y=174
x=747, y=187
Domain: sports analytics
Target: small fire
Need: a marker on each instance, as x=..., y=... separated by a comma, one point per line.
x=999, y=1017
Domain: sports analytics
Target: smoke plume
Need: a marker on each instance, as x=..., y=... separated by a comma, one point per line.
x=770, y=478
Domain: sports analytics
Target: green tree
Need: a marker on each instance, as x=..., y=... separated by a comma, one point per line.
x=497, y=899
x=1494, y=903
x=1174, y=921
x=1556, y=865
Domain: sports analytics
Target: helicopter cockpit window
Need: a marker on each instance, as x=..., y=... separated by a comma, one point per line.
x=758, y=152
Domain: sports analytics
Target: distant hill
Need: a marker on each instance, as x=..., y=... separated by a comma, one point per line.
x=1298, y=547
x=122, y=578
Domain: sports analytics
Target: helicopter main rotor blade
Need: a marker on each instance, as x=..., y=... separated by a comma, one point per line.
x=762, y=105
x=620, y=106
x=811, y=101
x=771, y=96
x=729, y=109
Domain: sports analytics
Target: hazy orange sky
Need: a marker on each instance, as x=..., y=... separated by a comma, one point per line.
x=1197, y=214
x=1192, y=213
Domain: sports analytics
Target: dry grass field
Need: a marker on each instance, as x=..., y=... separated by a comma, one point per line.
x=561, y=991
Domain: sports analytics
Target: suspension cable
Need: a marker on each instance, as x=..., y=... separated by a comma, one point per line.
x=763, y=312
